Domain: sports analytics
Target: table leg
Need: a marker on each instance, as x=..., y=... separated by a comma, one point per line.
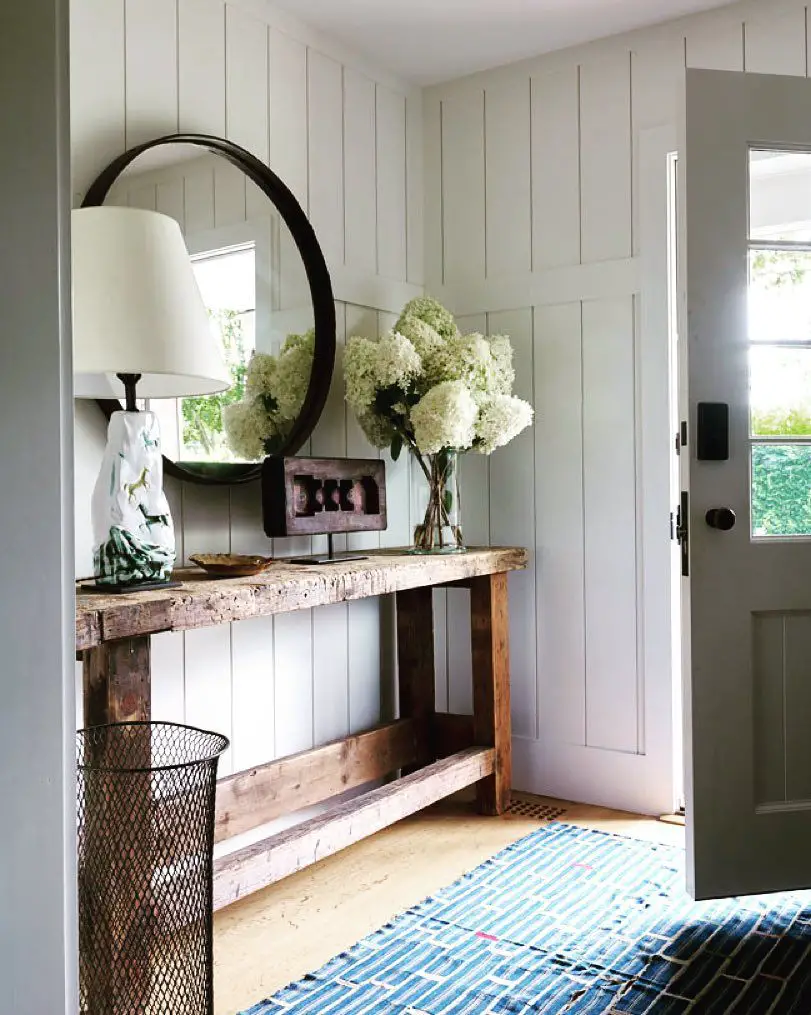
x=490, y=632
x=415, y=663
x=117, y=682
x=114, y=903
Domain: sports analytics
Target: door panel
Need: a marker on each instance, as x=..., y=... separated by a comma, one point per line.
x=747, y=213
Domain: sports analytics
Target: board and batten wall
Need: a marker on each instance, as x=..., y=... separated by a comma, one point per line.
x=547, y=218
x=545, y=213
x=347, y=139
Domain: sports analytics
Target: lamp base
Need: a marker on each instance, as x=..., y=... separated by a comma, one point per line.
x=133, y=535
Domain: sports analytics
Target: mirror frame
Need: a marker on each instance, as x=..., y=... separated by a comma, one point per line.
x=315, y=266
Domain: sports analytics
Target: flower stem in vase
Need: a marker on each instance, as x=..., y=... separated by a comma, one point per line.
x=441, y=529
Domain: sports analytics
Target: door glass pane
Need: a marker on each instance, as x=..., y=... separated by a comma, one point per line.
x=780, y=391
x=779, y=296
x=781, y=489
x=779, y=311
x=780, y=195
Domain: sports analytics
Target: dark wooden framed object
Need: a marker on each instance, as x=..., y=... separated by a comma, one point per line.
x=317, y=276
x=312, y=496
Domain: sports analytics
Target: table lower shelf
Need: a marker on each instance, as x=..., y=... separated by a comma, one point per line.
x=253, y=867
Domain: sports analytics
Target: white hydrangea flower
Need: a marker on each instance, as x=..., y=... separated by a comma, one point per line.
x=360, y=374
x=379, y=431
x=397, y=362
x=431, y=312
x=247, y=426
x=470, y=359
x=501, y=419
x=292, y=375
x=425, y=339
x=461, y=384
x=260, y=374
x=444, y=418
x=503, y=370
x=275, y=388
x=473, y=363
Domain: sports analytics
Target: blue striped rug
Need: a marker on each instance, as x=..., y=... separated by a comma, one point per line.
x=575, y=921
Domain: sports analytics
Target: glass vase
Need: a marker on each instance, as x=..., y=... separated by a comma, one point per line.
x=439, y=506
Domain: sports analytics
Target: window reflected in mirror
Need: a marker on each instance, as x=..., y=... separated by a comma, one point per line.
x=227, y=282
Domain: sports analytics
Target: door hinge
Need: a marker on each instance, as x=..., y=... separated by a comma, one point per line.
x=681, y=437
x=681, y=531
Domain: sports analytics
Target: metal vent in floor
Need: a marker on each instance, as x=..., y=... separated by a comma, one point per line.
x=536, y=810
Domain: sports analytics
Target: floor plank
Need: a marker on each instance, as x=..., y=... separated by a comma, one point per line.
x=293, y=927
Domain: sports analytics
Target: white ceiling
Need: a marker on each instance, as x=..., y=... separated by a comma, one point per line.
x=435, y=40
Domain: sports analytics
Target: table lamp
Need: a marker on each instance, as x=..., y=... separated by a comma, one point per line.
x=139, y=323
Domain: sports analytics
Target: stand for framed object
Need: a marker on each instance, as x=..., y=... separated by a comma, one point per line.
x=323, y=496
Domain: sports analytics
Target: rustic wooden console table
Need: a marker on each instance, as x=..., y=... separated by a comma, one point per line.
x=437, y=753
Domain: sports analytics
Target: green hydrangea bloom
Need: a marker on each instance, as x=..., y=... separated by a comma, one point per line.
x=431, y=312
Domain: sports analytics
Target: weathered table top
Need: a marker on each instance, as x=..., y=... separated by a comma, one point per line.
x=284, y=587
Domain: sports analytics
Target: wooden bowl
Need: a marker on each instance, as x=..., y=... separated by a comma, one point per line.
x=231, y=565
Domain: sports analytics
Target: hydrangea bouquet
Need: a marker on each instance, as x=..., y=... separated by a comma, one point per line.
x=428, y=387
x=275, y=387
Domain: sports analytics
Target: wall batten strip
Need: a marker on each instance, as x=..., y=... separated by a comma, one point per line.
x=377, y=181
x=583, y=516
x=638, y=529
x=484, y=171
x=406, y=184
x=784, y=674
x=806, y=41
x=631, y=134
x=531, y=192
x=534, y=403
x=442, y=188
x=580, y=165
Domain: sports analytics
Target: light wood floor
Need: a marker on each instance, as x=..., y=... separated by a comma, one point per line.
x=294, y=927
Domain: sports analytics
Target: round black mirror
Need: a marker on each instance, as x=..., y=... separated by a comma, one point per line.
x=264, y=280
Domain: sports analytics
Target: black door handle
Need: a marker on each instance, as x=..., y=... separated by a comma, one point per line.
x=722, y=518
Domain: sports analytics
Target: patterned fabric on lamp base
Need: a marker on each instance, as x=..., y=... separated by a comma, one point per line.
x=133, y=534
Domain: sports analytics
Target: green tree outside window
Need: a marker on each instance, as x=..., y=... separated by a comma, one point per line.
x=781, y=474
x=203, y=431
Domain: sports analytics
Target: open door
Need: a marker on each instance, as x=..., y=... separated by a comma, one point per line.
x=747, y=480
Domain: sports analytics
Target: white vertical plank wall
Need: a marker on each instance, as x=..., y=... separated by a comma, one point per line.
x=358, y=149
x=201, y=65
x=349, y=144
x=555, y=177
x=546, y=217
x=247, y=114
x=151, y=69
x=559, y=521
x=531, y=199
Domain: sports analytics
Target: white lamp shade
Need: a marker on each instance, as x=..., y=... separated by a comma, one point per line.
x=137, y=308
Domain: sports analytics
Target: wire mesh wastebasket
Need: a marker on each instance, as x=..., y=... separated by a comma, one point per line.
x=146, y=835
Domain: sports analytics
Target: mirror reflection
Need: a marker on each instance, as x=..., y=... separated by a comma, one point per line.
x=254, y=285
